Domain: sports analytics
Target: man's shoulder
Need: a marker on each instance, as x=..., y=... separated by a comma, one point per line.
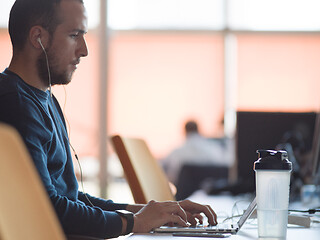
x=14, y=104
x=13, y=89
x=8, y=84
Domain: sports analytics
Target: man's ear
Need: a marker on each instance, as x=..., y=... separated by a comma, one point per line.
x=37, y=36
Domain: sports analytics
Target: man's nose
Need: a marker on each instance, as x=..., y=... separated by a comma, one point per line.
x=83, y=50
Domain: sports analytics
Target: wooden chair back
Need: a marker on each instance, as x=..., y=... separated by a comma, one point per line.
x=25, y=208
x=145, y=176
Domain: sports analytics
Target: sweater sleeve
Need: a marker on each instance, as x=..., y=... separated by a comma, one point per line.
x=79, y=219
x=107, y=205
x=76, y=217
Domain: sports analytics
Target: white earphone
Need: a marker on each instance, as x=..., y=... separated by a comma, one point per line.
x=39, y=41
x=55, y=116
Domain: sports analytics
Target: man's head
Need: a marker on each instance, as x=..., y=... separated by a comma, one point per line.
x=191, y=127
x=60, y=24
x=25, y=14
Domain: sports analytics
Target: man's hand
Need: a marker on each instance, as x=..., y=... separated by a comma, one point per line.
x=193, y=211
x=156, y=214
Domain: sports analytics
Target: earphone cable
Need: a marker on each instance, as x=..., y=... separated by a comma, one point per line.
x=310, y=211
x=48, y=68
x=63, y=128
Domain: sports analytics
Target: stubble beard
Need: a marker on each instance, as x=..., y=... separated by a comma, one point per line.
x=57, y=77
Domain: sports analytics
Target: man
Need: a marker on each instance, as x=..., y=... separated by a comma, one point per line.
x=199, y=150
x=48, y=42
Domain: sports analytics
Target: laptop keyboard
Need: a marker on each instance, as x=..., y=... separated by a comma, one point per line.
x=221, y=227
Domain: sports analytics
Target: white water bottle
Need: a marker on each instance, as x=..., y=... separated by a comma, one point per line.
x=272, y=188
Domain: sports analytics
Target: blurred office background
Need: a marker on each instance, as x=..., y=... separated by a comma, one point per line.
x=154, y=64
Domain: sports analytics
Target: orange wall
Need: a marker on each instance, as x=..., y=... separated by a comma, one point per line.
x=279, y=73
x=158, y=81
x=5, y=49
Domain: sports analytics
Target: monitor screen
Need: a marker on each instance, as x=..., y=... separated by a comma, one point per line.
x=315, y=156
x=266, y=130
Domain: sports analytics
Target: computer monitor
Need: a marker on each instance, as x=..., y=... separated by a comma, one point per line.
x=315, y=156
x=265, y=130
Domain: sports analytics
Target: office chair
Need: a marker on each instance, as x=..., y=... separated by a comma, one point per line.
x=25, y=209
x=195, y=176
x=145, y=177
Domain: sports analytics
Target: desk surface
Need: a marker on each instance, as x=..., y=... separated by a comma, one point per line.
x=228, y=206
x=244, y=233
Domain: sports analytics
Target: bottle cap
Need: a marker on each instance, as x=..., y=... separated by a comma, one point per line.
x=272, y=160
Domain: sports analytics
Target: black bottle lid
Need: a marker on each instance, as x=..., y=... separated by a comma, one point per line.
x=272, y=160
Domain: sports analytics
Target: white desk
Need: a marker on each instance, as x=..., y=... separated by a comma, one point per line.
x=243, y=234
x=223, y=205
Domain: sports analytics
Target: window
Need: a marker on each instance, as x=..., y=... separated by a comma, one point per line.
x=4, y=12
x=166, y=14
x=274, y=15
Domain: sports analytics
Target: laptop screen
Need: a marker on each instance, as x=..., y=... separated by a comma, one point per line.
x=247, y=213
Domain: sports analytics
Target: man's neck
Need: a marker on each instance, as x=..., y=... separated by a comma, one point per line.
x=27, y=70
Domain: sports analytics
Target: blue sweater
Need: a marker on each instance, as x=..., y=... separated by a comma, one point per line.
x=40, y=121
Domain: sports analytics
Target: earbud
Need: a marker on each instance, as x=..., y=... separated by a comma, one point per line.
x=39, y=41
x=47, y=61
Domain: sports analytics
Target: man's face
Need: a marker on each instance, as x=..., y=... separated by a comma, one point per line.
x=67, y=45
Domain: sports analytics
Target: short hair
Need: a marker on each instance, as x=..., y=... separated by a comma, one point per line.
x=25, y=14
x=191, y=127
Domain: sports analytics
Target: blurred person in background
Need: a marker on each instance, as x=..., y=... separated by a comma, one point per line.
x=198, y=150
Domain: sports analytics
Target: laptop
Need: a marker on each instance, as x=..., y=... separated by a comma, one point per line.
x=220, y=228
